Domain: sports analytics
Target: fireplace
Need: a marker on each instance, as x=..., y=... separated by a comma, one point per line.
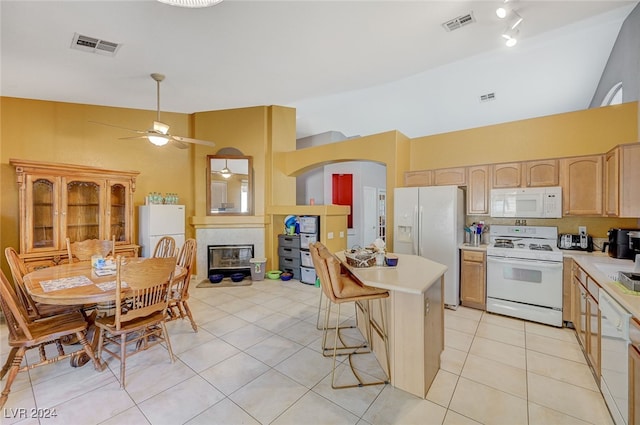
x=229, y=259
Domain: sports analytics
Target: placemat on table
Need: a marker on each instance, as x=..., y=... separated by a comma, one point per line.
x=65, y=283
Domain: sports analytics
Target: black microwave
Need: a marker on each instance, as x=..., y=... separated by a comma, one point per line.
x=575, y=242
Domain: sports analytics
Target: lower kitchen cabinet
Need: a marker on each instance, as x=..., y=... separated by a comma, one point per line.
x=634, y=372
x=473, y=279
x=587, y=318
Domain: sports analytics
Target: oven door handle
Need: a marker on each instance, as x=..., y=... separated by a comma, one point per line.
x=511, y=261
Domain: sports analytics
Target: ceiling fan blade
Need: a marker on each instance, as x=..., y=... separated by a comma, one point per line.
x=178, y=144
x=132, y=137
x=117, y=126
x=196, y=141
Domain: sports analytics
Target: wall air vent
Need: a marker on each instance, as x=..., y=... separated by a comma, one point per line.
x=459, y=22
x=487, y=97
x=94, y=45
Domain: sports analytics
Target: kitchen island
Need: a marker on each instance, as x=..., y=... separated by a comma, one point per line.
x=415, y=312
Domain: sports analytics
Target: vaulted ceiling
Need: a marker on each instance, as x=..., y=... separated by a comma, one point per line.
x=244, y=53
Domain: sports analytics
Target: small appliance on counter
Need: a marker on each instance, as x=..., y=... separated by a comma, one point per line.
x=576, y=242
x=619, y=245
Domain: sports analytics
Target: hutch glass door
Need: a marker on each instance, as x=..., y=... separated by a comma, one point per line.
x=43, y=232
x=118, y=212
x=83, y=210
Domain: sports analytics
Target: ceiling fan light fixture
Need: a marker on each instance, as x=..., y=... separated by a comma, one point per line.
x=191, y=3
x=225, y=172
x=159, y=140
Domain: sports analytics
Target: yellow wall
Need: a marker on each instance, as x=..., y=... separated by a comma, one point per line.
x=574, y=133
x=391, y=148
x=61, y=132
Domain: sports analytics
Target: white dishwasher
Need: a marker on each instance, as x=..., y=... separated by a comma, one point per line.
x=614, y=361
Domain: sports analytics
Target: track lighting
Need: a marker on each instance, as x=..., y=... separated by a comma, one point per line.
x=511, y=36
x=503, y=11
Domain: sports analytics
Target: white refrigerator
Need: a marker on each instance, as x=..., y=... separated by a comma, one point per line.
x=156, y=221
x=429, y=221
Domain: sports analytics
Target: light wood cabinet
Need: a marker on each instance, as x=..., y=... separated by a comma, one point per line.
x=622, y=174
x=541, y=173
x=567, y=290
x=478, y=178
x=507, y=175
x=473, y=279
x=59, y=200
x=634, y=372
x=587, y=318
x=582, y=183
x=450, y=176
x=418, y=321
x=418, y=178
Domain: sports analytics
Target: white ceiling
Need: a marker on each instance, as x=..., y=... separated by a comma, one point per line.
x=245, y=53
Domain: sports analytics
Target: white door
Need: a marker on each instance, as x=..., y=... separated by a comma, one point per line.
x=370, y=211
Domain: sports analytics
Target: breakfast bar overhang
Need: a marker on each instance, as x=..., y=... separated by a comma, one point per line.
x=415, y=312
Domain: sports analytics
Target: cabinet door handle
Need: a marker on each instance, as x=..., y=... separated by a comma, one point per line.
x=426, y=306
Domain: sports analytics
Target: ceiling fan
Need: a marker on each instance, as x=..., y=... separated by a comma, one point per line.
x=225, y=172
x=158, y=134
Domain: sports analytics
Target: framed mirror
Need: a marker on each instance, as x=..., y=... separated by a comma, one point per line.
x=230, y=188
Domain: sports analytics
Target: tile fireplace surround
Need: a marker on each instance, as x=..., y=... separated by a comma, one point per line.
x=226, y=235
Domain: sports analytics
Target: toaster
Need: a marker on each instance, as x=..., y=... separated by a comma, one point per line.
x=576, y=242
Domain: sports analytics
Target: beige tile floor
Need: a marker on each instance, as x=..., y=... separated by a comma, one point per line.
x=256, y=360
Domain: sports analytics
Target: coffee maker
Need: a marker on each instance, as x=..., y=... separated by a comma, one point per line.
x=619, y=244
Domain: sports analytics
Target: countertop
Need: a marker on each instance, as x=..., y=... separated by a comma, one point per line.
x=469, y=247
x=412, y=275
x=589, y=261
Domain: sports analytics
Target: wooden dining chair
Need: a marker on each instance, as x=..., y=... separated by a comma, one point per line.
x=33, y=309
x=25, y=334
x=341, y=288
x=142, y=289
x=179, y=293
x=84, y=250
x=166, y=247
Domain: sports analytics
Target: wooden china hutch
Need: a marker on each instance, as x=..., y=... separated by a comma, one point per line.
x=75, y=201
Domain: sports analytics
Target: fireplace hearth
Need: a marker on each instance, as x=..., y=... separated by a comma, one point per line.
x=228, y=259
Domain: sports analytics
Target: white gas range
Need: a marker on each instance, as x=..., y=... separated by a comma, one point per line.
x=524, y=273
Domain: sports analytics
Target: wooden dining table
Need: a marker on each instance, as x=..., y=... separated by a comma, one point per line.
x=79, y=284
x=76, y=284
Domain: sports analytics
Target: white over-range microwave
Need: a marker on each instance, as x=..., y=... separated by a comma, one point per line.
x=537, y=202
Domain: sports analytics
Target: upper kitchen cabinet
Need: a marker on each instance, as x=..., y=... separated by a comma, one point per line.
x=418, y=178
x=507, y=175
x=581, y=181
x=526, y=174
x=450, y=176
x=541, y=173
x=59, y=201
x=478, y=188
x=622, y=174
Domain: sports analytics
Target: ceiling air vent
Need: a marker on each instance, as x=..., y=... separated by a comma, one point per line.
x=94, y=45
x=487, y=97
x=459, y=22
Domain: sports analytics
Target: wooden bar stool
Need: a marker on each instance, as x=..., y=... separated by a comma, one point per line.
x=339, y=289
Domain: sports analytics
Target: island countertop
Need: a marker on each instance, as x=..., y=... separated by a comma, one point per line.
x=412, y=275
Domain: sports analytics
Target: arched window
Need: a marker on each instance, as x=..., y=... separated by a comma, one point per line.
x=614, y=97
